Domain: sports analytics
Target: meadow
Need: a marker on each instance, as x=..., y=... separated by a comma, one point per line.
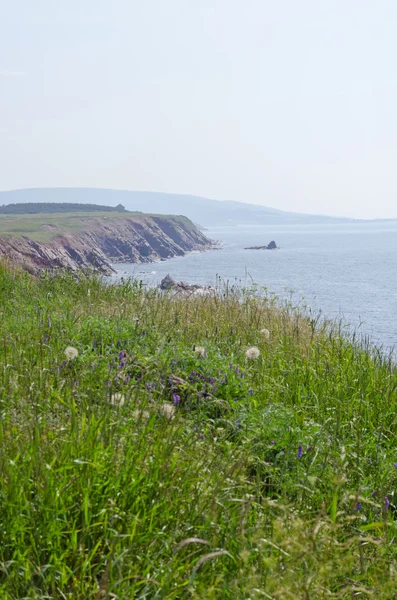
x=43, y=227
x=216, y=447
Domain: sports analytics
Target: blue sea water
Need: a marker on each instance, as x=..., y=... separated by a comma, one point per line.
x=348, y=271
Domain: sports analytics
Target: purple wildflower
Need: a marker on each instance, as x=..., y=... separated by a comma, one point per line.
x=309, y=448
x=300, y=452
x=148, y=386
x=395, y=465
x=358, y=507
x=387, y=502
x=176, y=399
x=127, y=379
x=374, y=493
x=272, y=443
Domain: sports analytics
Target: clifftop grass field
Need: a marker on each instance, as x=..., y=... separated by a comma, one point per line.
x=222, y=447
x=43, y=227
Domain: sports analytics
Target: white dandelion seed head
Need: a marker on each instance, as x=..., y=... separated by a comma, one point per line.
x=167, y=410
x=200, y=351
x=71, y=353
x=141, y=415
x=265, y=332
x=252, y=353
x=117, y=399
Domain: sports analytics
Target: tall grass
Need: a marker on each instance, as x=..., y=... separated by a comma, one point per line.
x=144, y=469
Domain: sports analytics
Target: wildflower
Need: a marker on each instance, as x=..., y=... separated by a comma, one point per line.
x=252, y=353
x=141, y=415
x=117, y=399
x=200, y=351
x=395, y=465
x=272, y=443
x=265, y=332
x=167, y=410
x=300, y=452
x=358, y=507
x=374, y=493
x=387, y=502
x=176, y=399
x=71, y=353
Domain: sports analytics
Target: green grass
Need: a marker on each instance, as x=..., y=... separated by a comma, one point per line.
x=35, y=226
x=268, y=480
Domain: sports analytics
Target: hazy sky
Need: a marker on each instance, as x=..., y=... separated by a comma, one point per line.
x=287, y=103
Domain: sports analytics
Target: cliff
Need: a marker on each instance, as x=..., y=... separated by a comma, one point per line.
x=84, y=242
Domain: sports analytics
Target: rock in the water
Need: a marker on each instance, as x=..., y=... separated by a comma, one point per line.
x=167, y=283
x=181, y=287
x=271, y=246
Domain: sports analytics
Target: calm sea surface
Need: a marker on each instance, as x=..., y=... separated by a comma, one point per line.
x=347, y=271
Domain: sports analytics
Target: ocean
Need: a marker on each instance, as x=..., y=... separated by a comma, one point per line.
x=346, y=271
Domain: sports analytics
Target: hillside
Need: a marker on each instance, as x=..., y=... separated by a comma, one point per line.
x=33, y=208
x=201, y=210
x=95, y=240
x=217, y=448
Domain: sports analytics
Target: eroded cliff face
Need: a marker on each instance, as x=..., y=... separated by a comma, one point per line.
x=102, y=241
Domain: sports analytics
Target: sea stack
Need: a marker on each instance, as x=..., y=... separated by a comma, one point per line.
x=271, y=246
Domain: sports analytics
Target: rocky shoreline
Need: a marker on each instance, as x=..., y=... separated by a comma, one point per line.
x=135, y=239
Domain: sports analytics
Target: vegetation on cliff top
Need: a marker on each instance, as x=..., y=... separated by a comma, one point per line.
x=213, y=447
x=33, y=208
x=43, y=227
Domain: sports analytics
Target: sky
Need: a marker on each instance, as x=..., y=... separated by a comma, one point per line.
x=290, y=104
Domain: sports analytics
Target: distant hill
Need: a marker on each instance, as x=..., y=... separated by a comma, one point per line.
x=35, y=208
x=200, y=210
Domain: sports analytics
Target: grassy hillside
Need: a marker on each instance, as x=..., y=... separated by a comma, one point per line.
x=215, y=447
x=45, y=226
x=32, y=208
